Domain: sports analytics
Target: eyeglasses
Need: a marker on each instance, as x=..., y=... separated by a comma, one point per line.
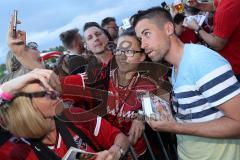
x=32, y=45
x=127, y=52
x=50, y=94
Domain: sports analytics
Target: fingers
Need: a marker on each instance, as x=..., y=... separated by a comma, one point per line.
x=104, y=155
x=10, y=31
x=135, y=131
x=87, y=156
x=18, y=21
x=131, y=138
x=44, y=76
x=21, y=35
x=152, y=124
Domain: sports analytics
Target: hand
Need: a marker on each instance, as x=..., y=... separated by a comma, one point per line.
x=193, y=3
x=192, y=24
x=84, y=156
x=112, y=154
x=136, y=131
x=17, y=44
x=166, y=122
x=44, y=76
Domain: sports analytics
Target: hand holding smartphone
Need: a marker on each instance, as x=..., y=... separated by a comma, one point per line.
x=15, y=22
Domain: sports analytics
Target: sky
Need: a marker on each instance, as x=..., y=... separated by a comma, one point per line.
x=44, y=20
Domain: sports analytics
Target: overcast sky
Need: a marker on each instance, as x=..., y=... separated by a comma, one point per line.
x=44, y=20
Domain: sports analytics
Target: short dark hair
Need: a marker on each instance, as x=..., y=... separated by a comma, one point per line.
x=131, y=33
x=107, y=20
x=128, y=32
x=68, y=36
x=95, y=24
x=151, y=13
x=91, y=24
x=178, y=18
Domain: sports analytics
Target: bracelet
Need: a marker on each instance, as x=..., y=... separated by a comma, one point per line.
x=122, y=152
x=198, y=30
x=5, y=95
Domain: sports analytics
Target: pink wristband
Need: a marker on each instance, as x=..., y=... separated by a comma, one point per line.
x=6, y=96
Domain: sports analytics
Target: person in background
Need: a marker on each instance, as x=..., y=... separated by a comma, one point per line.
x=97, y=41
x=109, y=23
x=226, y=33
x=185, y=34
x=21, y=51
x=72, y=41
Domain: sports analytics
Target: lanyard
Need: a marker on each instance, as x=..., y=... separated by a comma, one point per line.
x=43, y=152
x=121, y=100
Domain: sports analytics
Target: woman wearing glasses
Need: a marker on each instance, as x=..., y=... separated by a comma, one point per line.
x=44, y=130
x=124, y=82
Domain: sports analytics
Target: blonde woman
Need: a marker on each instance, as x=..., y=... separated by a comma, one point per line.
x=31, y=117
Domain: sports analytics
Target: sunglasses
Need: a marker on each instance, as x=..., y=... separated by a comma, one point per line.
x=127, y=52
x=48, y=94
x=32, y=45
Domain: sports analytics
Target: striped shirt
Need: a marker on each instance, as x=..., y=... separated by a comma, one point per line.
x=204, y=81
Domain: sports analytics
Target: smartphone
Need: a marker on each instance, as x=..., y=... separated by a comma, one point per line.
x=15, y=14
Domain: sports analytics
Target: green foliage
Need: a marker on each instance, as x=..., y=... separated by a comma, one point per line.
x=57, y=48
x=2, y=70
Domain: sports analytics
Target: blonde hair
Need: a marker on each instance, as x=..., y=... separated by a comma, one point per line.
x=22, y=119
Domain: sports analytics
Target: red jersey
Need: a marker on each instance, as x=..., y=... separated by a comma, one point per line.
x=99, y=131
x=188, y=36
x=227, y=26
x=123, y=104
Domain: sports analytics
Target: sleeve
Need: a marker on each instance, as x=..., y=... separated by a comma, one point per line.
x=226, y=18
x=105, y=133
x=215, y=79
x=146, y=83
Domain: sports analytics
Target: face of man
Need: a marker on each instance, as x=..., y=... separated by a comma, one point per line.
x=96, y=40
x=112, y=29
x=155, y=40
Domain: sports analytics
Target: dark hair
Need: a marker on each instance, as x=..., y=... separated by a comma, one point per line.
x=178, y=18
x=68, y=36
x=151, y=13
x=107, y=20
x=191, y=10
x=128, y=32
x=95, y=24
x=91, y=24
x=32, y=45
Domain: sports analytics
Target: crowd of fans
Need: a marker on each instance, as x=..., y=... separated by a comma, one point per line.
x=90, y=98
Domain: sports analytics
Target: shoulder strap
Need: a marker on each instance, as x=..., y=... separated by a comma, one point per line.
x=67, y=137
x=5, y=136
x=81, y=134
x=42, y=151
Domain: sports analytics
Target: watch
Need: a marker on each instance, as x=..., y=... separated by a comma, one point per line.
x=122, y=152
x=198, y=30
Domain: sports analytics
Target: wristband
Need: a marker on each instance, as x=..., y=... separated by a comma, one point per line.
x=122, y=152
x=198, y=30
x=5, y=95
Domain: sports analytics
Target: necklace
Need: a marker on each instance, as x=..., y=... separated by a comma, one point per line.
x=120, y=100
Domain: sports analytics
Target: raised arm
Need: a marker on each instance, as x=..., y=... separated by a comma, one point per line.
x=18, y=47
